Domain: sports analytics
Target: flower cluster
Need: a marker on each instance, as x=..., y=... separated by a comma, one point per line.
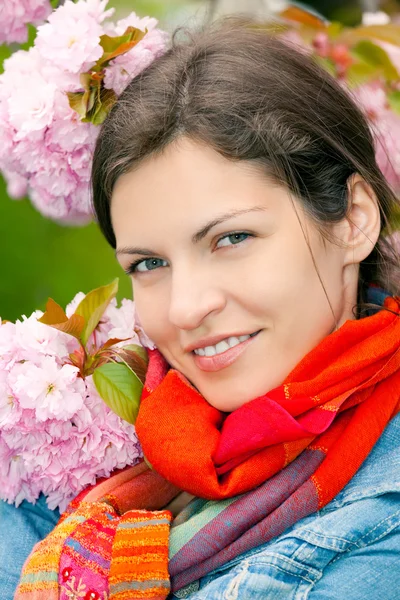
x=366, y=61
x=372, y=95
x=57, y=435
x=15, y=16
x=53, y=96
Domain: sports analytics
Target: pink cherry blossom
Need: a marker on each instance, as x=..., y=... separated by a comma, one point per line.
x=9, y=409
x=46, y=149
x=125, y=67
x=31, y=108
x=56, y=433
x=31, y=336
x=16, y=14
x=388, y=147
x=385, y=125
x=70, y=39
x=50, y=390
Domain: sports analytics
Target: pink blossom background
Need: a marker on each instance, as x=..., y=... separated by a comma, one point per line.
x=46, y=150
x=56, y=434
x=16, y=14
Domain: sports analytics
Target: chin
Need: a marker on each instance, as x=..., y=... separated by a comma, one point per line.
x=232, y=393
x=228, y=401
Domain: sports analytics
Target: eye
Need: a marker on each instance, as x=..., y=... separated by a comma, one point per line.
x=232, y=239
x=149, y=264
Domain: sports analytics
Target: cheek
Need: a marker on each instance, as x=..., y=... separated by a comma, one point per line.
x=152, y=312
x=275, y=279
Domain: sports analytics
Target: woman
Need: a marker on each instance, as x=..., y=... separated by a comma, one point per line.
x=237, y=182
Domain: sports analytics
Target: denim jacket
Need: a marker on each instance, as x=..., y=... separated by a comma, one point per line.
x=349, y=550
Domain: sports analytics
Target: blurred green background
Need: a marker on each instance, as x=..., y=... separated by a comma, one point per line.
x=39, y=258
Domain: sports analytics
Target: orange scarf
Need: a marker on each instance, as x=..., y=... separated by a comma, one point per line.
x=339, y=398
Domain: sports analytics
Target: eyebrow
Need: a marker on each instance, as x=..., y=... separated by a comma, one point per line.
x=199, y=235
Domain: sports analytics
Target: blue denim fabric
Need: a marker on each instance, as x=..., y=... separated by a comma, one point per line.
x=20, y=529
x=350, y=550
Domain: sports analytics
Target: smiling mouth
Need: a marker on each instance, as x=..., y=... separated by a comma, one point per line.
x=223, y=345
x=223, y=354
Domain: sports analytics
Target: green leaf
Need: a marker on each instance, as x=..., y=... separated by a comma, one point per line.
x=120, y=389
x=326, y=63
x=95, y=102
x=102, y=107
x=334, y=29
x=115, y=46
x=375, y=56
x=359, y=73
x=394, y=100
x=78, y=101
x=111, y=43
x=386, y=33
x=148, y=463
x=86, y=80
x=93, y=306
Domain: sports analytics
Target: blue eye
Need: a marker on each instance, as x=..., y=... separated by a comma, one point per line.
x=232, y=238
x=149, y=264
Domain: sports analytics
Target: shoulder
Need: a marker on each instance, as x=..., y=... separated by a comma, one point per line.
x=350, y=549
x=20, y=529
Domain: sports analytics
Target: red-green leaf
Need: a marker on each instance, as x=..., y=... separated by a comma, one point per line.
x=92, y=307
x=55, y=317
x=74, y=326
x=140, y=350
x=136, y=358
x=302, y=16
x=115, y=46
x=112, y=342
x=54, y=313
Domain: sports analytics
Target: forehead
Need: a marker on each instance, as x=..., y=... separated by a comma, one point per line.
x=187, y=181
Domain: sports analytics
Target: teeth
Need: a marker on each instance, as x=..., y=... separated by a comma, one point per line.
x=222, y=346
x=233, y=341
x=210, y=350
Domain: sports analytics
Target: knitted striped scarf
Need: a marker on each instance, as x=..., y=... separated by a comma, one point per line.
x=256, y=471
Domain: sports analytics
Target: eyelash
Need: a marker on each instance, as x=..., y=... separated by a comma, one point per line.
x=133, y=266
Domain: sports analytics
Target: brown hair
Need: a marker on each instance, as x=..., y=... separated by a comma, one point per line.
x=251, y=97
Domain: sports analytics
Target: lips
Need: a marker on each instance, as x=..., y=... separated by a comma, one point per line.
x=223, y=360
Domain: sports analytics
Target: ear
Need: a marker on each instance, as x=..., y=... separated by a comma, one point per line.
x=360, y=230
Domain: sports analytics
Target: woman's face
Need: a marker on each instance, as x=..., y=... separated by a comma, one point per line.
x=222, y=254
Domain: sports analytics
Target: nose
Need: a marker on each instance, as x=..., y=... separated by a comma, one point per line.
x=194, y=296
